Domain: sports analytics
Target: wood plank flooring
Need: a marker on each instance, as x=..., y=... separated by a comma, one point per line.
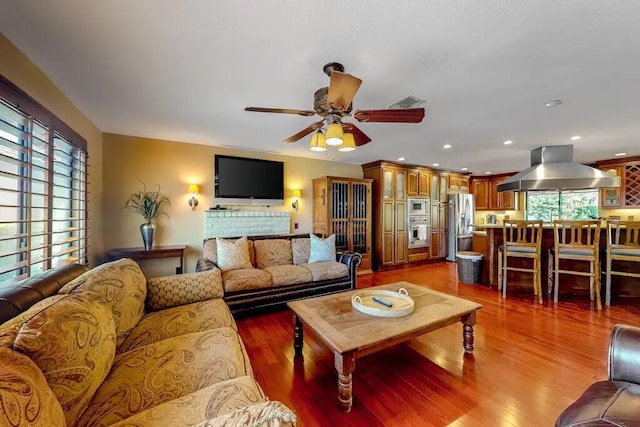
x=530, y=361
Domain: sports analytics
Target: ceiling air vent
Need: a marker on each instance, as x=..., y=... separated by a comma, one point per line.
x=408, y=102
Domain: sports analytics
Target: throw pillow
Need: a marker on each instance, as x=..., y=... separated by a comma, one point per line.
x=233, y=254
x=322, y=249
x=179, y=289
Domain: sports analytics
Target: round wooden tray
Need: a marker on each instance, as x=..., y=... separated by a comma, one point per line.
x=402, y=303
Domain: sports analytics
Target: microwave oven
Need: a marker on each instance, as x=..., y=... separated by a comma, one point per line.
x=418, y=206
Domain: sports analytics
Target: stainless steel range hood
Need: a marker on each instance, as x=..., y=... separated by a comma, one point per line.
x=552, y=168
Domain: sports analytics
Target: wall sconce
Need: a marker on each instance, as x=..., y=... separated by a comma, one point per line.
x=296, y=194
x=193, y=201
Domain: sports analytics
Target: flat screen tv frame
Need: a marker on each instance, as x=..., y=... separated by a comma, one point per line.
x=247, y=201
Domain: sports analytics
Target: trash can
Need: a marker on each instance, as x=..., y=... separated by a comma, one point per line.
x=469, y=265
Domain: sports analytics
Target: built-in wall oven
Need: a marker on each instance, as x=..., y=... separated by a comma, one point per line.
x=419, y=222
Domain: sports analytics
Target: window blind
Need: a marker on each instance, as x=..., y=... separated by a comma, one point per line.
x=43, y=189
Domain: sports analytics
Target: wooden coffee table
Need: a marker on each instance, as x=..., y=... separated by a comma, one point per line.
x=350, y=333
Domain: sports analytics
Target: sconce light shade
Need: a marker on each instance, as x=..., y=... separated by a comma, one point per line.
x=334, y=134
x=297, y=194
x=349, y=142
x=193, y=190
x=317, y=142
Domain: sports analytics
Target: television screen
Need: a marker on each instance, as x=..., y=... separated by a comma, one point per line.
x=240, y=180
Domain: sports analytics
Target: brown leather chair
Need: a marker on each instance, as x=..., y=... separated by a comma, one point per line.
x=614, y=402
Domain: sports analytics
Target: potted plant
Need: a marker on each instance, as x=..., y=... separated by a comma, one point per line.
x=150, y=205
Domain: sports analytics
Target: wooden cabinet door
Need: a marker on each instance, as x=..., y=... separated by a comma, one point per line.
x=435, y=187
x=435, y=245
x=481, y=191
x=464, y=184
x=508, y=200
x=401, y=232
x=424, y=179
x=388, y=240
x=494, y=202
x=413, y=183
x=400, y=179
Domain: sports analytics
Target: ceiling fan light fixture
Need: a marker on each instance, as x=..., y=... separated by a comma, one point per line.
x=334, y=135
x=318, y=142
x=349, y=142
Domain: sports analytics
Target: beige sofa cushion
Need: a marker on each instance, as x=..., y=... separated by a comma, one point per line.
x=122, y=285
x=170, y=369
x=176, y=321
x=218, y=399
x=178, y=289
x=271, y=252
x=301, y=248
x=248, y=278
x=283, y=275
x=233, y=254
x=210, y=251
x=26, y=397
x=327, y=270
x=73, y=343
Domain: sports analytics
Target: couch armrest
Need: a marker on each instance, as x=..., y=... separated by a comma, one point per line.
x=264, y=414
x=624, y=354
x=352, y=260
x=204, y=265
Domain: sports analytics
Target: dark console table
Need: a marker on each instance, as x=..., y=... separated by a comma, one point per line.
x=175, y=251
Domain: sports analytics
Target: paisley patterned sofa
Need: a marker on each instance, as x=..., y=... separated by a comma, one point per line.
x=92, y=355
x=278, y=269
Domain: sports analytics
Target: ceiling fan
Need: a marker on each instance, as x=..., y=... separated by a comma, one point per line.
x=333, y=104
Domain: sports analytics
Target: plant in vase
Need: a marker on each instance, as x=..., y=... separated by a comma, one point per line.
x=150, y=205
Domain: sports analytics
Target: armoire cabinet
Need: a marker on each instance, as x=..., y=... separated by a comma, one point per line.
x=342, y=206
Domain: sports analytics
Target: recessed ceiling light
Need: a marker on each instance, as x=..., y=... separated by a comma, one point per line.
x=620, y=154
x=488, y=172
x=436, y=164
x=464, y=169
x=553, y=103
x=446, y=146
x=576, y=137
x=508, y=142
x=401, y=159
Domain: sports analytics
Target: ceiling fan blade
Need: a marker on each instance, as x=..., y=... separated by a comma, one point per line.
x=306, y=113
x=360, y=137
x=409, y=115
x=304, y=132
x=342, y=89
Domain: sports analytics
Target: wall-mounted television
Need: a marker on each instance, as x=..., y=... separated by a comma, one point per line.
x=245, y=181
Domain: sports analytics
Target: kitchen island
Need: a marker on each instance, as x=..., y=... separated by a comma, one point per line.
x=488, y=237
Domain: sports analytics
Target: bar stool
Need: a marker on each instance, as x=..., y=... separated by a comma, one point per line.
x=576, y=241
x=522, y=239
x=623, y=244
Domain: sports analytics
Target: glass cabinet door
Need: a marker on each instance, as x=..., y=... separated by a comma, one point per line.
x=435, y=188
x=340, y=214
x=387, y=184
x=400, y=179
x=359, y=215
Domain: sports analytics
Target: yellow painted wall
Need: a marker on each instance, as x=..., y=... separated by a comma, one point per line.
x=173, y=165
x=17, y=67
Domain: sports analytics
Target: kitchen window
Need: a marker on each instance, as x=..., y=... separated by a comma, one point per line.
x=43, y=188
x=571, y=205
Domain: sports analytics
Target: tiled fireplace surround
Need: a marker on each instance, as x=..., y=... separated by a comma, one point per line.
x=230, y=223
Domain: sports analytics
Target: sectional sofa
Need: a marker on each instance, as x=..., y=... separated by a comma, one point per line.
x=272, y=270
x=107, y=347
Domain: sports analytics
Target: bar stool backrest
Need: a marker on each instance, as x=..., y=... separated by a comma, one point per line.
x=623, y=234
x=577, y=235
x=522, y=233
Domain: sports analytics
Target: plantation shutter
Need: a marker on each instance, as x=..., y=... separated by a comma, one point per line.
x=43, y=189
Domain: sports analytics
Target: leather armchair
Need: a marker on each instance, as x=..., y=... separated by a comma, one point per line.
x=614, y=402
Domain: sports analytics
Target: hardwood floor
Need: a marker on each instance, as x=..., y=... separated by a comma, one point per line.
x=530, y=361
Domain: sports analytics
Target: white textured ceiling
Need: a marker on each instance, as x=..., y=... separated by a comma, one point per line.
x=185, y=69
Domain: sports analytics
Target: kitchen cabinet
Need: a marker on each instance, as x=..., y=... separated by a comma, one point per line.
x=343, y=206
x=392, y=184
x=439, y=213
x=628, y=194
x=418, y=183
x=487, y=196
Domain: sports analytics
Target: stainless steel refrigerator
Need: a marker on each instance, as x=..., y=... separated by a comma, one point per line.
x=460, y=233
